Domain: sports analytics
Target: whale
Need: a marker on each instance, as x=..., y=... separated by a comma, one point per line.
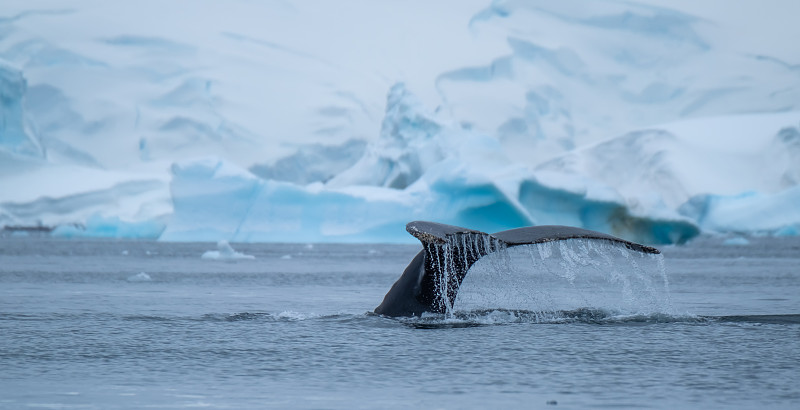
x=431, y=280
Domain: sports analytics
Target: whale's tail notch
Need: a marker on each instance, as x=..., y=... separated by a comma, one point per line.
x=430, y=282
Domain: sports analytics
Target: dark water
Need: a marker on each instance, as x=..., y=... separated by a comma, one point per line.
x=81, y=327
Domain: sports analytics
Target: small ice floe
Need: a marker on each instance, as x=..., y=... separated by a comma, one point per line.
x=286, y=257
x=225, y=252
x=309, y=246
x=736, y=241
x=125, y=252
x=140, y=277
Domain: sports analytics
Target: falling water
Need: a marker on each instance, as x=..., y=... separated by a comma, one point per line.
x=565, y=276
x=453, y=259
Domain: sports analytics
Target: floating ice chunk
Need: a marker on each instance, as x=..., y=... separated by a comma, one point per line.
x=286, y=257
x=140, y=277
x=225, y=252
x=736, y=241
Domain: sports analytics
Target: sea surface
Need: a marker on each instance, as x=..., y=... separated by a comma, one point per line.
x=99, y=324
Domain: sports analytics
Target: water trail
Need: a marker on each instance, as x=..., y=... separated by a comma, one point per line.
x=662, y=270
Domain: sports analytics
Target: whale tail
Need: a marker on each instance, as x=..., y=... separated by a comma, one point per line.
x=430, y=282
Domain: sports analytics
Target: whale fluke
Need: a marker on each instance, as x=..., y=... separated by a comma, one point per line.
x=430, y=282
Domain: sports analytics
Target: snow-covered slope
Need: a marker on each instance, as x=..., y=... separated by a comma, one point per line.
x=673, y=162
x=650, y=119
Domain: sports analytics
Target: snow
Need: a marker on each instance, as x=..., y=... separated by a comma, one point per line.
x=269, y=121
x=225, y=252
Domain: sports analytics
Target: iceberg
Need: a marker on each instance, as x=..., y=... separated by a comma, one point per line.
x=225, y=252
x=214, y=200
x=750, y=212
x=725, y=174
x=140, y=277
x=410, y=142
x=414, y=170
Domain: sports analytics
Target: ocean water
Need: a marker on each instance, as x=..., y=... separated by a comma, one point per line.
x=130, y=324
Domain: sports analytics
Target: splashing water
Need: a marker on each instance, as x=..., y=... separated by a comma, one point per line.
x=565, y=276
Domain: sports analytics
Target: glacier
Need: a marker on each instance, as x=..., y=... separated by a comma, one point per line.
x=651, y=120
